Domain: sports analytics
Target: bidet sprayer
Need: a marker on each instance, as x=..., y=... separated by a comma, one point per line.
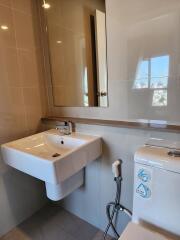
x=116, y=168
x=113, y=208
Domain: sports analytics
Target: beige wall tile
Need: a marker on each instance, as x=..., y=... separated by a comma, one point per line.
x=28, y=68
x=9, y=67
x=7, y=37
x=25, y=6
x=12, y=111
x=33, y=108
x=25, y=33
x=5, y=3
x=22, y=104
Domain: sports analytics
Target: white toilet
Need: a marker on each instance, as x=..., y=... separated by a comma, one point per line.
x=156, y=203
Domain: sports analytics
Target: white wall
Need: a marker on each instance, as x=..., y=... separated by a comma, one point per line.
x=124, y=19
x=137, y=29
x=89, y=202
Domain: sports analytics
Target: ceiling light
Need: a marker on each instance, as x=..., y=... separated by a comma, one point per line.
x=4, y=27
x=46, y=5
x=59, y=42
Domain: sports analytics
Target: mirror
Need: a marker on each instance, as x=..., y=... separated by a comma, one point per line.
x=76, y=51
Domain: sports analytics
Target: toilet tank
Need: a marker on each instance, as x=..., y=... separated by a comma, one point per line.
x=157, y=186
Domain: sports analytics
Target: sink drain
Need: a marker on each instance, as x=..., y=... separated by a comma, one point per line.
x=56, y=155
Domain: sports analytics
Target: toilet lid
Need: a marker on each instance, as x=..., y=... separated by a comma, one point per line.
x=137, y=232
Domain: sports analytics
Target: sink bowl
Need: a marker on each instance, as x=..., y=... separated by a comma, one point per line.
x=57, y=160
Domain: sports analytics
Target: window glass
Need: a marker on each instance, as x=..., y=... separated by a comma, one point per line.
x=142, y=75
x=159, y=72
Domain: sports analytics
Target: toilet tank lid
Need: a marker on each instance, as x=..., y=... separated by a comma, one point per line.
x=163, y=143
x=160, y=154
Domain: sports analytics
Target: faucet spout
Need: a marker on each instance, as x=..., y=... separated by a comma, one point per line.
x=66, y=128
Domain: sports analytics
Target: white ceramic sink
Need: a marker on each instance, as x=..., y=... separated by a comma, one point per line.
x=57, y=160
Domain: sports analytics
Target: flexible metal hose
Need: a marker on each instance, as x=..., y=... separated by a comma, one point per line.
x=116, y=206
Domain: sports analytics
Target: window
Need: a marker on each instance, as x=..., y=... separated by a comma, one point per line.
x=153, y=74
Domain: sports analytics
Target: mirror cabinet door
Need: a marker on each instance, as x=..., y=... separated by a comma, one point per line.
x=76, y=51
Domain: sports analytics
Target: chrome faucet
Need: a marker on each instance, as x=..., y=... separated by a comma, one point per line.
x=66, y=128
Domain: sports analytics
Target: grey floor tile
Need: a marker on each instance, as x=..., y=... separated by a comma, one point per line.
x=52, y=231
x=100, y=236
x=15, y=234
x=75, y=226
x=32, y=227
x=85, y=232
x=54, y=223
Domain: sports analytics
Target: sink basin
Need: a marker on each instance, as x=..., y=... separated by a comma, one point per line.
x=57, y=160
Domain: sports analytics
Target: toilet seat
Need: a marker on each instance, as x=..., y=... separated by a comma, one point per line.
x=137, y=232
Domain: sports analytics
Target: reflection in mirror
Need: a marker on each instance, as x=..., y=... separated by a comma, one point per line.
x=76, y=32
x=153, y=64
x=152, y=74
